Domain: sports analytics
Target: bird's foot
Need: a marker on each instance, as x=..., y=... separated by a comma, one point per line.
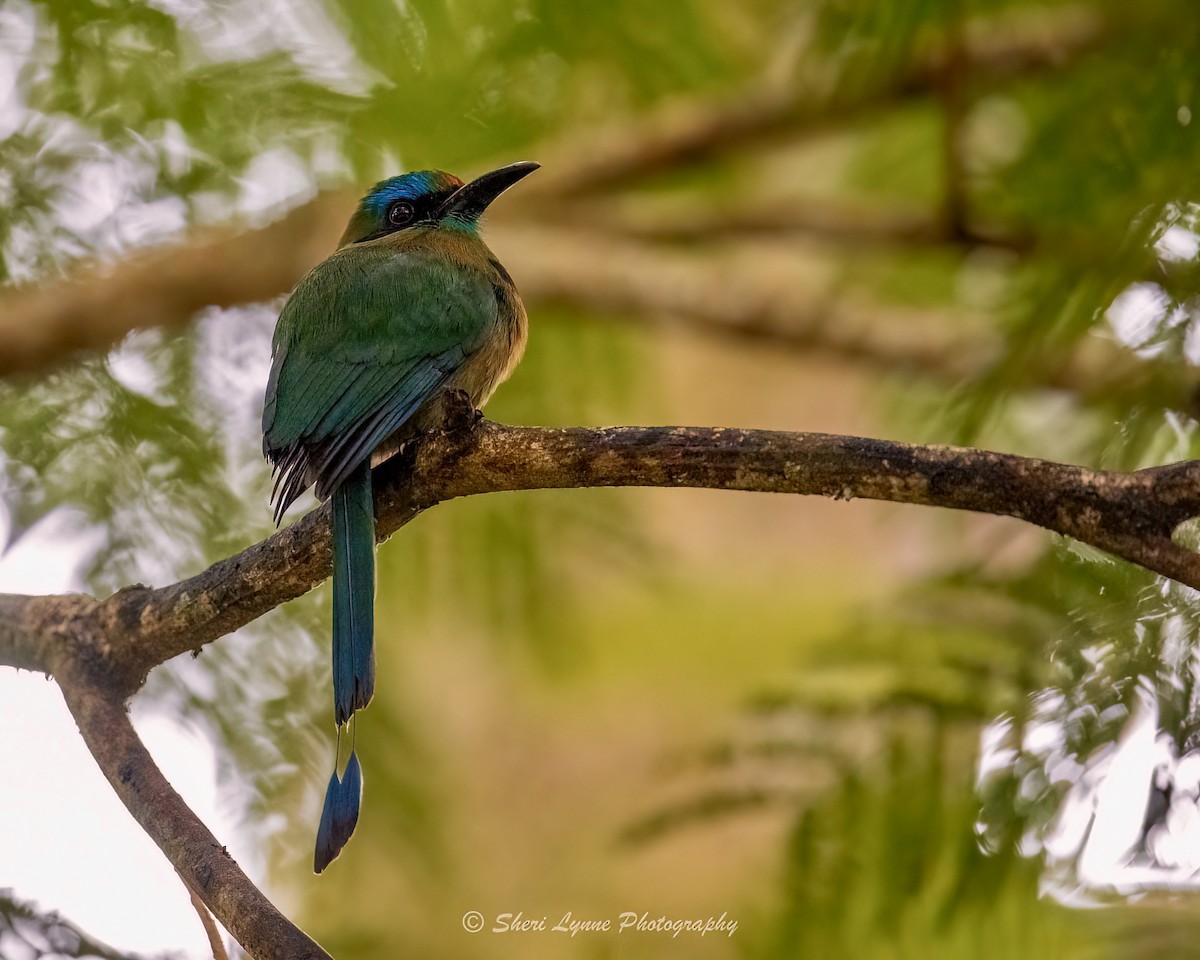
x=458, y=413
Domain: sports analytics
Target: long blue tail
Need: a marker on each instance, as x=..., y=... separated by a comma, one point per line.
x=353, y=594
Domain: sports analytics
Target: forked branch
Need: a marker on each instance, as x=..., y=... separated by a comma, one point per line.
x=101, y=650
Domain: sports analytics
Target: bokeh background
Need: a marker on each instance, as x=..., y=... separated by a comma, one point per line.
x=860, y=730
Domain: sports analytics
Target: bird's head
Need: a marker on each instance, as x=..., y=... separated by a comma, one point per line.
x=429, y=198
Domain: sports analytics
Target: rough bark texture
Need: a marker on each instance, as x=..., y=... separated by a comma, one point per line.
x=100, y=651
x=1131, y=515
x=196, y=854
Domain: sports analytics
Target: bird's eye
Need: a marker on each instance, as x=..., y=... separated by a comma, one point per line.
x=400, y=213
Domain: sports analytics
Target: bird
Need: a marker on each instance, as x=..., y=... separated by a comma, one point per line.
x=410, y=305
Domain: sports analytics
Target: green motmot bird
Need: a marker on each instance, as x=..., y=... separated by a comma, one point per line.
x=411, y=304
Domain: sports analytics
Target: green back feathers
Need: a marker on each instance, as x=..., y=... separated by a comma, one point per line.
x=366, y=338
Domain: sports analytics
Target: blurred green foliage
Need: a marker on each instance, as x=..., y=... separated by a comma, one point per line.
x=131, y=122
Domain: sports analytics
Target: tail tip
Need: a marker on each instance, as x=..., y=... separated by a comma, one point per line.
x=339, y=816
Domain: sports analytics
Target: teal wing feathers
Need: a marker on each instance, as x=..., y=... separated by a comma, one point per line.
x=365, y=340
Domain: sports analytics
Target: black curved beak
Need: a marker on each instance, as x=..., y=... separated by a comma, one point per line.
x=468, y=202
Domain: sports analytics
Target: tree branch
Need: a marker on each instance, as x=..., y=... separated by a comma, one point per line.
x=41, y=324
x=729, y=296
x=952, y=93
x=101, y=651
x=204, y=864
x=682, y=134
x=788, y=218
x=211, y=930
x=1131, y=515
x=746, y=296
x=755, y=298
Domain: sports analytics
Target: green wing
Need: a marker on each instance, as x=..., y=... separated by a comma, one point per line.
x=365, y=339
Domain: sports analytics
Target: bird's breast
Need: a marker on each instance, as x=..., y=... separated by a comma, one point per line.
x=504, y=346
x=468, y=260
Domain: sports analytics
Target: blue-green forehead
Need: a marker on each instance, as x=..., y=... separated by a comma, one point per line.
x=408, y=186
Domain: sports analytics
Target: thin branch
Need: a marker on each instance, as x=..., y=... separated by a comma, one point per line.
x=813, y=217
x=211, y=930
x=753, y=297
x=681, y=134
x=1131, y=515
x=169, y=285
x=28, y=931
x=742, y=294
x=952, y=93
x=204, y=864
